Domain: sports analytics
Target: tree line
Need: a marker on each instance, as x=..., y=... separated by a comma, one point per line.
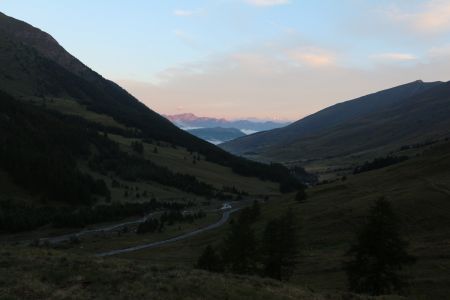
x=378, y=163
x=116, y=211
x=16, y=217
x=169, y=218
x=134, y=168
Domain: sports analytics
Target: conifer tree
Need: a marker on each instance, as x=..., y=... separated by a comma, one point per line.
x=279, y=247
x=240, y=251
x=379, y=254
x=301, y=195
x=209, y=260
x=256, y=210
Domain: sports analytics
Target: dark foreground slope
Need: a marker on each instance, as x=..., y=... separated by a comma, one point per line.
x=45, y=274
x=402, y=115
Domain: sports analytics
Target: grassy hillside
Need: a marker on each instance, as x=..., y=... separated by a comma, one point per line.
x=419, y=190
x=29, y=273
x=36, y=68
x=183, y=161
x=377, y=123
x=72, y=139
x=54, y=164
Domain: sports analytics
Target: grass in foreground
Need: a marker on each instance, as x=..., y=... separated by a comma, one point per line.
x=32, y=273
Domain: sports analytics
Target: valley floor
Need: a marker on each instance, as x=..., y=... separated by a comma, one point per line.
x=419, y=190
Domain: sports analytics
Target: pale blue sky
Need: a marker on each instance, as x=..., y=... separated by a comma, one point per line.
x=210, y=57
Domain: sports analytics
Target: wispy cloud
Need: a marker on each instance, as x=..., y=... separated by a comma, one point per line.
x=185, y=37
x=267, y=2
x=393, y=57
x=432, y=16
x=253, y=62
x=312, y=57
x=439, y=52
x=261, y=80
x=187, y=13
x=181, y=34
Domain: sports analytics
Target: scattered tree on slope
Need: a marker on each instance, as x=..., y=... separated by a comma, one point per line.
x=379, y=254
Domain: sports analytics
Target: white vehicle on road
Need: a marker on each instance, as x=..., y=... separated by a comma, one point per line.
x=226, y=206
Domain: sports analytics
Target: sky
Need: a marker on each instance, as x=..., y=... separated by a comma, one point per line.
x=267, y=59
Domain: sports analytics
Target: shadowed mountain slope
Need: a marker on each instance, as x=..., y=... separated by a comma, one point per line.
x=404, y=114
x=34, y=68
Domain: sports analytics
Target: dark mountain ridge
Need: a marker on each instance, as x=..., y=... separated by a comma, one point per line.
x=34, y=67
x=401, y=114
x=37, y=49
x=45, y=44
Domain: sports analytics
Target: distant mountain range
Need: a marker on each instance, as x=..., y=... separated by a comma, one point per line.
x=191, y=121
x=379, y=122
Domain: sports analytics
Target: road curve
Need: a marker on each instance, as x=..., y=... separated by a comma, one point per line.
x=222, y=221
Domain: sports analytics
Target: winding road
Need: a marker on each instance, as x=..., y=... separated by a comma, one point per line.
x=222, y=221
x=67, y=237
